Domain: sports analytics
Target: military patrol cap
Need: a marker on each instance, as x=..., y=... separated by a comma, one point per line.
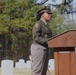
x=45, y=9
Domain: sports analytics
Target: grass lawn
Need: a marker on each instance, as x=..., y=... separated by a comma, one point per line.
x=26, y=72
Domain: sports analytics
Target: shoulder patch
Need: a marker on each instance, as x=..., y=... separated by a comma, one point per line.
x=36, y=25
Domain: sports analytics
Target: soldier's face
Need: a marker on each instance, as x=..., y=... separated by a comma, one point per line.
x=46, y=16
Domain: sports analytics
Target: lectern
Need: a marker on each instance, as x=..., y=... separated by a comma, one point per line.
x=64, y=52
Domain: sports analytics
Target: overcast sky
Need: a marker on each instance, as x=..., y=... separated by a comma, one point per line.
x=53, y=1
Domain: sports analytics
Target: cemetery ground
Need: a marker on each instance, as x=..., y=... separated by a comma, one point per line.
x=22, y=67
x=26, y=71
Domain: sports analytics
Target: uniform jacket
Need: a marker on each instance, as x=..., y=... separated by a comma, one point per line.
x=41, y=33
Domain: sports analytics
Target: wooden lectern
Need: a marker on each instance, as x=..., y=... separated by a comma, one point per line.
x=64, y=52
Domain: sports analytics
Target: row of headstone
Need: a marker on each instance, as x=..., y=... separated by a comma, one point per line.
x=22, y=64
x=7, y=65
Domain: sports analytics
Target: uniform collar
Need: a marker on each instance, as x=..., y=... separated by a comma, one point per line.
x=44, y=21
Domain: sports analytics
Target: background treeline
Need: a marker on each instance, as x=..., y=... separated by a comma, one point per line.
x=17, y=18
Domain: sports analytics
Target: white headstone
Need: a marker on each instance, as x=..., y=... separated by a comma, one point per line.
x=51, y=64
x=28, y=64
x=21, y=64
x=22, y=61
x=17, y=65
x=7, y=67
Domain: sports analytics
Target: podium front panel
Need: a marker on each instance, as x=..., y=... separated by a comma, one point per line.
x=64, y=61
